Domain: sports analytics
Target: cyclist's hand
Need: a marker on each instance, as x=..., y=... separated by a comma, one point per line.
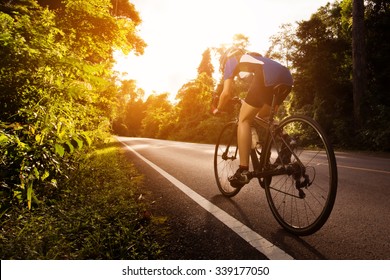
x=213, y=108
x=214, y=104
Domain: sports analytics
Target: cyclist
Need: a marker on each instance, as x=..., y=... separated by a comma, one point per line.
x=266, y=74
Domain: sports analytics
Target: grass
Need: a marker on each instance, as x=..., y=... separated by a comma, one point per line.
x=96, y=215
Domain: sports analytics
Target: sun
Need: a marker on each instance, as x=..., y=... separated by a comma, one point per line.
x=177, y=33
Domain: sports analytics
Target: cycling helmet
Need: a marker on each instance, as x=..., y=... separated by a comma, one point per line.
x=230, y=52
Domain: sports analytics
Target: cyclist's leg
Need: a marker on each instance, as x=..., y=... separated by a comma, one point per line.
x=244, y=139
x=247, y=114
x=254, y=101
x=257, y=102
x=265, y=111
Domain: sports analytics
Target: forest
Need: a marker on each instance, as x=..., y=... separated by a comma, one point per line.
x=319, y=53
x=59, y=94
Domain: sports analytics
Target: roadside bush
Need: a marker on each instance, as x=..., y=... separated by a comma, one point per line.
x=52, y=104
x=96, y=215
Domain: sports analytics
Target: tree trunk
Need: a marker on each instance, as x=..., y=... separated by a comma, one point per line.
x=358, y=58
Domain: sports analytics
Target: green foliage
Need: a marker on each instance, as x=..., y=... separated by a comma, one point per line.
x=128, y=121
x=29, y=52
x=39, y=152
x=376, y=105
x=193, y=107
x=57, y=90
x=282, y=45
x=319, y=53
x=323, y=70
x=205, y=65
x=159, y=117
x=97, y=214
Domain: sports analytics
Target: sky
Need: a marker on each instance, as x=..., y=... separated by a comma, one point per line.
x=177, y=32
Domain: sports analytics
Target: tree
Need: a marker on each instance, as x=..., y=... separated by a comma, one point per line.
x=193, y=107
x=322, y=67
x=131, y=110
x=375, y=104
x=359, y=58
x=282, y=45
x=240, y=41
x=57, y=89
x=205, y=65
x=160, y=117
x=123, y=8
x=94, y=28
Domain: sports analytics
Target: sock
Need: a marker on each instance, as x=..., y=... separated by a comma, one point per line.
x=242, y=168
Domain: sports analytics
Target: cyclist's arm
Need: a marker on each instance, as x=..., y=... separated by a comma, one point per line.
x=226, y=94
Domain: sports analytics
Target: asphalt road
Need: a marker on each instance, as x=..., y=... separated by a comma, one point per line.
x=179, y=179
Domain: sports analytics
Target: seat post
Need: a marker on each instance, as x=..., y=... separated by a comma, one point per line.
x=277, y=91
x=272, y=113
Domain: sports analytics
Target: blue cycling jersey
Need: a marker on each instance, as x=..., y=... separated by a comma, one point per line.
x=274, y=73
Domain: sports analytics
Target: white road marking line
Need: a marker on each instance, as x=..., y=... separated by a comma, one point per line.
x=364, y=169
x=265, y=247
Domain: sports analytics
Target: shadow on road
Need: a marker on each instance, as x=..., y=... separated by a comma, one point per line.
x=284, y=240
x=281, y=238
x=219, y=199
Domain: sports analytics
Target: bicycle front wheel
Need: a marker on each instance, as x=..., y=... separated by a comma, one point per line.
x=302, y=198
x=226, y=160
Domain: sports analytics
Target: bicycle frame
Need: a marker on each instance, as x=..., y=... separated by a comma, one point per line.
x=259, y=167
x=270, y=126
x=295, y=166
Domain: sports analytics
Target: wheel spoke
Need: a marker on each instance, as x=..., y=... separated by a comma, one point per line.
x=225, y=159
x=302, y=199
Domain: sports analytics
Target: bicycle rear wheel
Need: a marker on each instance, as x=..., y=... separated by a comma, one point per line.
x=226, y=160
x=302, y=199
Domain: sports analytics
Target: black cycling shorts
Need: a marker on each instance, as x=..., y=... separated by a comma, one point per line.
x=259, y=94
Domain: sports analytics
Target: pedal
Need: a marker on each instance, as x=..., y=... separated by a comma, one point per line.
x=304, y=184
x=301, y=193
x=236, y=185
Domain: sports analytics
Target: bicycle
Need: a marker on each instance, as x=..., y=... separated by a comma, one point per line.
x=293, y=162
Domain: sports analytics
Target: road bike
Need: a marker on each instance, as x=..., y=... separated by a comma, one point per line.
x=294, y=163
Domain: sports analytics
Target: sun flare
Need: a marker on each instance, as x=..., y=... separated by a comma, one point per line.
x=178, y=32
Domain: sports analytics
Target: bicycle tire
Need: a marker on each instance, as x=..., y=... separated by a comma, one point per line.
x=226, y=160
x=300, y=204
